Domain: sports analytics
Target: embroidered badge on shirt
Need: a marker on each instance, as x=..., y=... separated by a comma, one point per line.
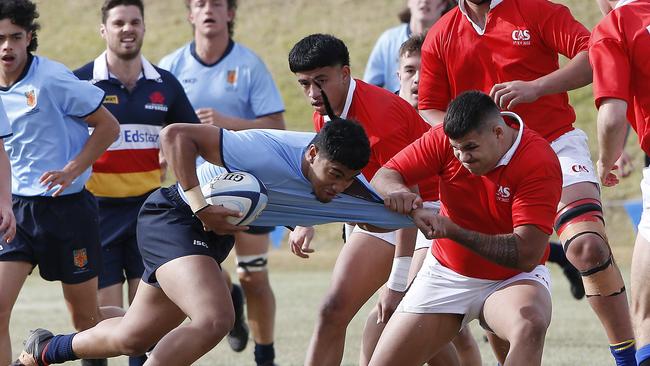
x=111, y=99
x=31, y=98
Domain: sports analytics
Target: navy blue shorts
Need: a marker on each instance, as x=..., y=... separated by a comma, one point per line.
x=117, y=229
x=259, y=230
x=167, y=230
x=60, y=235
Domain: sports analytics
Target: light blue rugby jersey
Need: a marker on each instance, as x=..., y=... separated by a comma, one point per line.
x=274, y=157
x=5, y=126
x=46, y=108
x=237, y=85
x=383, y=62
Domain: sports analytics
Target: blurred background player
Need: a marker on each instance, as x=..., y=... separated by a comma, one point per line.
x=230, y=87
x=50, y=152
x=408, y=74
x=526, y=79
x=619, y=46
x=143, y=98
x=416, y=18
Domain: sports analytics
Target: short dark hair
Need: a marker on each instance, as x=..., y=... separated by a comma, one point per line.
x=23, y=14
x=470, y=111
x=316, y=51
x=413, y=45
x=110, y=4
x=232, y=5
x=344, y=141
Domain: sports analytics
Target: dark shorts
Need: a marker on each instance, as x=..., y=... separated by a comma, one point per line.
x=167, y=230
x=259, y=230
x=60, y=235
x=117, y=229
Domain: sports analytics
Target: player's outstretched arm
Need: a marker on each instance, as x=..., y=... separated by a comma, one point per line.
x=573, y=75
x=396, y=194
x=612, y=122
x=7, y=219
x=106, y=130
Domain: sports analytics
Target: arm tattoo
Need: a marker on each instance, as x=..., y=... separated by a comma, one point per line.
x=500, y=249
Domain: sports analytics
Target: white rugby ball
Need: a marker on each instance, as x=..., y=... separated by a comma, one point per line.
x=238, y=191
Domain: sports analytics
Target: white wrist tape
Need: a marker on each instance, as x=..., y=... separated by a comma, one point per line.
x=399, y=273
x=195, y=199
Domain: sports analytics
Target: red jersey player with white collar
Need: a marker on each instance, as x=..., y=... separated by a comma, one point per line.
x=510, y=49
x=499, y=188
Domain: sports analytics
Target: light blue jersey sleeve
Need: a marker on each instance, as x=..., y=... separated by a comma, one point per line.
x=265, y=98
x=76, y=98
x=383, y=63
x=5, y=126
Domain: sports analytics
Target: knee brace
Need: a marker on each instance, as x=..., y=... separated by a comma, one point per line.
x=252, y=263
x=586, y=217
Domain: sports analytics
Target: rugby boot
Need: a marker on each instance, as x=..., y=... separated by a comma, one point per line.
x=238, y=335
x=35, y=346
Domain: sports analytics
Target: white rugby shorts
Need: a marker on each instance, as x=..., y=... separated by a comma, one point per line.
x=644, y=224
x=575, y=160
x=438, y=289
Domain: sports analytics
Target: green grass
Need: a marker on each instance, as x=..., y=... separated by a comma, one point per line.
x=270, y=27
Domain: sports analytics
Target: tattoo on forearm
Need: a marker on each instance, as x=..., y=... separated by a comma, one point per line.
x=501, y=249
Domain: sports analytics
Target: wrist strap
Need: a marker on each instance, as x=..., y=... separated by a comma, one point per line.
x=195, y=199
x=399, y=273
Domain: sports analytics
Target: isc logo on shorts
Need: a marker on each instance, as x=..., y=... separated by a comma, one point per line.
x=200, y=243
x=521, y=37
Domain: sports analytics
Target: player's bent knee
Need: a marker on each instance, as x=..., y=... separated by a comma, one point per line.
x=213, y=330
x=603, y=280
x=83, y=321
x=333, y=311
x=531, y=329
x=133, y=345
x=247, y=264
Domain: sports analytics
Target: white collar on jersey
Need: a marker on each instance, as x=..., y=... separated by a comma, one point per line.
x=348, y=100
x=100, y=69
x=623, y=2
x=505, y=159
x=461, y=7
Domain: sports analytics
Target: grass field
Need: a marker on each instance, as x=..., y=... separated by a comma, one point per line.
x=271, y=27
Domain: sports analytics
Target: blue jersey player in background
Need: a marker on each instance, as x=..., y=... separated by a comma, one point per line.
x=50, y=152
x=307, y=176
x=230, y=87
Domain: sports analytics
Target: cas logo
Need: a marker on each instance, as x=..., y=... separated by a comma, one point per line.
x=521, y=37
x=503, y=194
x=578, y=168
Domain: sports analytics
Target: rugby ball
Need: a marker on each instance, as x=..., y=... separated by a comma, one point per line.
x=239, y=191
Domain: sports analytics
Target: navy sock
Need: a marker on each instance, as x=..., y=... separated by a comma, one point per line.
x=137, y=360
x=557, y=255
x=643, y=355
x=264, y=353
x=624, y=353
x=59, y=350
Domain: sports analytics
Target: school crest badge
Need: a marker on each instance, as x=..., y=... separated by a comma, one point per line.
x=231, y=77
x=80, y=257
x=31, y=98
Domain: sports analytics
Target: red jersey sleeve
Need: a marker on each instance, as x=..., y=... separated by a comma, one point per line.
x=538, y=193
x=558, y=28
x=608, y=57
x=421, y=159
x=434, y=90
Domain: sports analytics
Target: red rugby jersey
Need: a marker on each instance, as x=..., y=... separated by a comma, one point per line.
x=391, y=124
x=523, y=190
x=619, y=53
x=521, y=41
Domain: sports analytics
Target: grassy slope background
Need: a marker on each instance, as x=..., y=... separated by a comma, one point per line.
x=270, y=27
